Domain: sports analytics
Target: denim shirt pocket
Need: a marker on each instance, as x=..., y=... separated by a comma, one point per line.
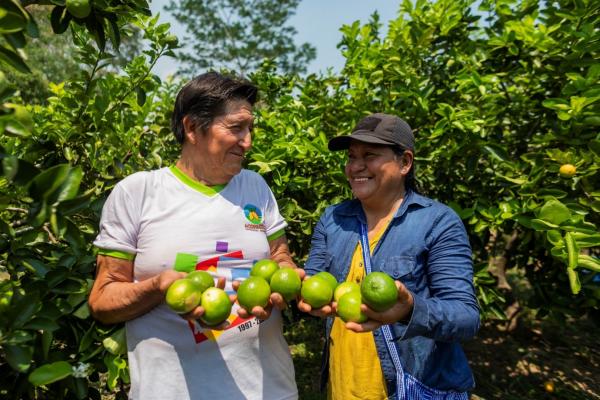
x=401, y=268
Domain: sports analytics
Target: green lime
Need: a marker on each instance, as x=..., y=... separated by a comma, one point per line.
x=286, y=282
x=254, y=291
x=217, y=306
x=344, y=288
x=379, y=291
x=348, y=307
x=79, y=8
x=316, y=291
x=329, y=278
x=202, y=279
x=183, y=296
x=264, y=268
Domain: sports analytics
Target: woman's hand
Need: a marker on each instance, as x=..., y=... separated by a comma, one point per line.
x=197, y=312
x=323, y=312
x=401, y=311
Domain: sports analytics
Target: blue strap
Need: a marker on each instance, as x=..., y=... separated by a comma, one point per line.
x=387, y=333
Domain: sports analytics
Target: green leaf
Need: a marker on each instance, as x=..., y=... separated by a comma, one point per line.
x=13, y=60
x=554, y=212
x=555, y=237
x=49, y=373
x=574, y=280
x=115, y=365
x=541, y=225
x=47, y=337
x=18, y=357
x=497, y=152
x=572, y=251
x=588, y=262
x=586, y=240
x=43, y=324
x=141, y=96
x=116, y=343
x=59, y=19
x=56, y=184
x=11, y=22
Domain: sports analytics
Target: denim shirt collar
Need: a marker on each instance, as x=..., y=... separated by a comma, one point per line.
x=353, y=208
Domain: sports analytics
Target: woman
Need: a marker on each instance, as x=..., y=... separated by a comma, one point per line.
x=412, y=350
x=207, y=213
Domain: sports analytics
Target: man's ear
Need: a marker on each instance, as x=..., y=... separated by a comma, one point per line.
x=189, y=129
x=407, y=161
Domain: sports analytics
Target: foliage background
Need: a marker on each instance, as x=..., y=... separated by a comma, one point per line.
x=499, y=99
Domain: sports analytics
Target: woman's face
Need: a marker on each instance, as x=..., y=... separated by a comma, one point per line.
x=375, y=172
x=222, y=147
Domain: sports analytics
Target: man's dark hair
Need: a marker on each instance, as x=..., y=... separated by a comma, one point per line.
x=205, y=97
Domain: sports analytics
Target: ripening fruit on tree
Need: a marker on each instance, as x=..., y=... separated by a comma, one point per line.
x=79, y=8
x=567, y=170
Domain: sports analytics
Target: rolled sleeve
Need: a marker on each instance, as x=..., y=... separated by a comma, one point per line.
x=317, y=256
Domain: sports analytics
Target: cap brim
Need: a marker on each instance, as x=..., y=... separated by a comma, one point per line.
x=343, y=142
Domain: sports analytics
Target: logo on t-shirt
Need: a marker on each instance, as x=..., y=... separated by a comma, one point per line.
x=255, y=216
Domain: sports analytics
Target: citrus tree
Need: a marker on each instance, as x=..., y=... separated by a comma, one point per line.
x=505, y=106
x=58, y=162
x=504, y=102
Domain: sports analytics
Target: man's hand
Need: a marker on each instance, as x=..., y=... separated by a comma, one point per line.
x=197, y=312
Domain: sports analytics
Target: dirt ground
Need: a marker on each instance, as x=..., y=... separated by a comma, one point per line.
x=538, y=360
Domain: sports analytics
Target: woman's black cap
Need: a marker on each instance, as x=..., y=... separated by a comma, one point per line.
x=378, y=129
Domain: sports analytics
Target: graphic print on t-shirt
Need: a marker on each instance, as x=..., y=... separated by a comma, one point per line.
x=255, y=216
x=217, y=266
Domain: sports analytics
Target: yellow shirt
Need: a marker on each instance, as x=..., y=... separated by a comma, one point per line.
x=354, y=367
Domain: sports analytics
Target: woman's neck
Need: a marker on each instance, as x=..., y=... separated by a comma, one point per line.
x=382, y=210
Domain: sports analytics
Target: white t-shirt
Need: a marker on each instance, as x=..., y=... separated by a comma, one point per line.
x=166, y=220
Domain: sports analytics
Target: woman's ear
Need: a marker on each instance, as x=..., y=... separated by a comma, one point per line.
x=189, y=129
x=406, y=161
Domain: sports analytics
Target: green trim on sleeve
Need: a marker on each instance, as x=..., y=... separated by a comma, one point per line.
x=116, y=254
x=194, y=184
x=276, y=235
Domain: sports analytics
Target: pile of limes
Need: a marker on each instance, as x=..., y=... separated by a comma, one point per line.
x=267, y=277
x=198, y=288
x=377, y=290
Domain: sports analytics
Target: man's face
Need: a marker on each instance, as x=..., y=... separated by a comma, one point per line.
x=222, y=147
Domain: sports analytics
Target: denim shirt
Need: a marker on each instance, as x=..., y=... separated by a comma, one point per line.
x=426, y=248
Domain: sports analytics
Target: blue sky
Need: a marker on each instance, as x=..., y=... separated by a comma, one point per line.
x=317, y=22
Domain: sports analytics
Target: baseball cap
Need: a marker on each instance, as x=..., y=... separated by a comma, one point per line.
x=378, y=129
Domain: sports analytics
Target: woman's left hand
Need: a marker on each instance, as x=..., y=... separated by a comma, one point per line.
x=401, y=311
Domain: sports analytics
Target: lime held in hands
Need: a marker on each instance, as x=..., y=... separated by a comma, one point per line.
x=183, y=296
x=316, y=291
x=348, y=307
x=345, y=287
x=286, y=282
x=379, y=291
x=217, y=306
x=254, y=291
x=329, y=278
x=202, y=279
x=264, y=268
